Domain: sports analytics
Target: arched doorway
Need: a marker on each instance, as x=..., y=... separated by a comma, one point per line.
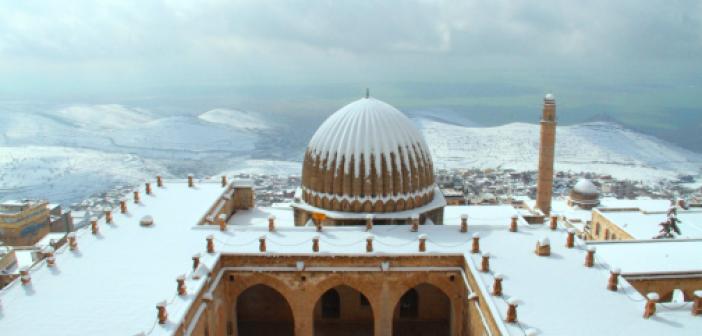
x=343, y=311
x=423, y=310
x=262, y=311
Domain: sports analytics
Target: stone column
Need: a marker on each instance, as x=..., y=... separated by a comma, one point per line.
x=383, y=312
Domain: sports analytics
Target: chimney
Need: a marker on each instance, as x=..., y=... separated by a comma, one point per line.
x=369, y=243
x=147, y=186
x=590, y=257
x=210, y=244
x=485, y=263
x=512, y=309
x=190, y=181
x=50, y=259
x=553, y=223
x=475, y=247
x=651, y=300
x=415, y=223
x=159, y=181
x=271, y=223
x=543, y=247
x=318, y=225
x=108, y=215
x=224, y=180
x=497, y=285
x=369, y=222
x=513, y=223
x=544, y=188
x=162, y=313
x=315, y=243
x=613, y=279
x=464, y=223
x=182, y=290
x=697, y=306
x=25, y=277
x=94, y=225
x=422, y=242
x=72, y=242
x=262, y=243
x=196, y=261
x=222, y=222
x=473, y=297
x=570, y=240
x=123, y=206
x=136, y=197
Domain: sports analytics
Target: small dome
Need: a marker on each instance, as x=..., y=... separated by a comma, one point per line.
x=586, y=187
x=367, y=156
x=584, y=194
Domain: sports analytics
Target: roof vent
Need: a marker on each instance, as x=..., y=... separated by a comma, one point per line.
x=543, y=247
x=146, y=221
x=697, y=305
x=651, y=300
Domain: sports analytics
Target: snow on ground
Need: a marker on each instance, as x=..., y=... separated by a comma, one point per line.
x=243, y=120
x=67, y=175
x=108, y=116
x=264, y=167
x=184, y=134
x=598, y=147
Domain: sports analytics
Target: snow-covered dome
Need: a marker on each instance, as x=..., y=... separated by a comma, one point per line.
x=586, y=187
x=584, y=194
x=549, y=96
x=369, y=157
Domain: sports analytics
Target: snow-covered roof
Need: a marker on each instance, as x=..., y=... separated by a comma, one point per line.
x=645, y=225
x=651, y=256
x=586, y=187
x=111, y=285
x=368, y=127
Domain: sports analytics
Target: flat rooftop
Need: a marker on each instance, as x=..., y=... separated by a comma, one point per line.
x=644, y=225
x=651, y=256
x=110, y=286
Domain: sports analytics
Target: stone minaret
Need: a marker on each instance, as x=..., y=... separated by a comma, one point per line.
x=544, y=188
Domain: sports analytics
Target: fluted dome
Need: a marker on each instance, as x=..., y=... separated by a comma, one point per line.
x=368, y=157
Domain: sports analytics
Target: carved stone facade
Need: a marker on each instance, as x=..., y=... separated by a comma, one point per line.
x=318, y=299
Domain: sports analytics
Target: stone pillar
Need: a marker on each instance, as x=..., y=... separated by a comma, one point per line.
x=544, y=189
x=383, y=313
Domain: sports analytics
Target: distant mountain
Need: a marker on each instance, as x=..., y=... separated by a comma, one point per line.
x=242, y=120
x=111, y=116
x=600, y=147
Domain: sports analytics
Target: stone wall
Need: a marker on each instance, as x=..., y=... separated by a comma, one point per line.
x=301, y=291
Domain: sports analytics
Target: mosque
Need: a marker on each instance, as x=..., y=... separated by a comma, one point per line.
x=368, y=247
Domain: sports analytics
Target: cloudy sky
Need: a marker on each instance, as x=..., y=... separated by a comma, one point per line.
x=636, y=61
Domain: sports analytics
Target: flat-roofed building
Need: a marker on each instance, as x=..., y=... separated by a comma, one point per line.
x=23, y=223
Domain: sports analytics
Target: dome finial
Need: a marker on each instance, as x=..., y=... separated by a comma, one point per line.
x=367, y=93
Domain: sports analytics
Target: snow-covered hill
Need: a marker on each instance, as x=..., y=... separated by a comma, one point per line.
x=67, y=175
x=110, y=116
x=598, y=147
x=68, y=153
x=242, y=120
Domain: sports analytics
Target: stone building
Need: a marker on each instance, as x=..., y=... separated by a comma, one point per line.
x=368, y=158
x=23, y=223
